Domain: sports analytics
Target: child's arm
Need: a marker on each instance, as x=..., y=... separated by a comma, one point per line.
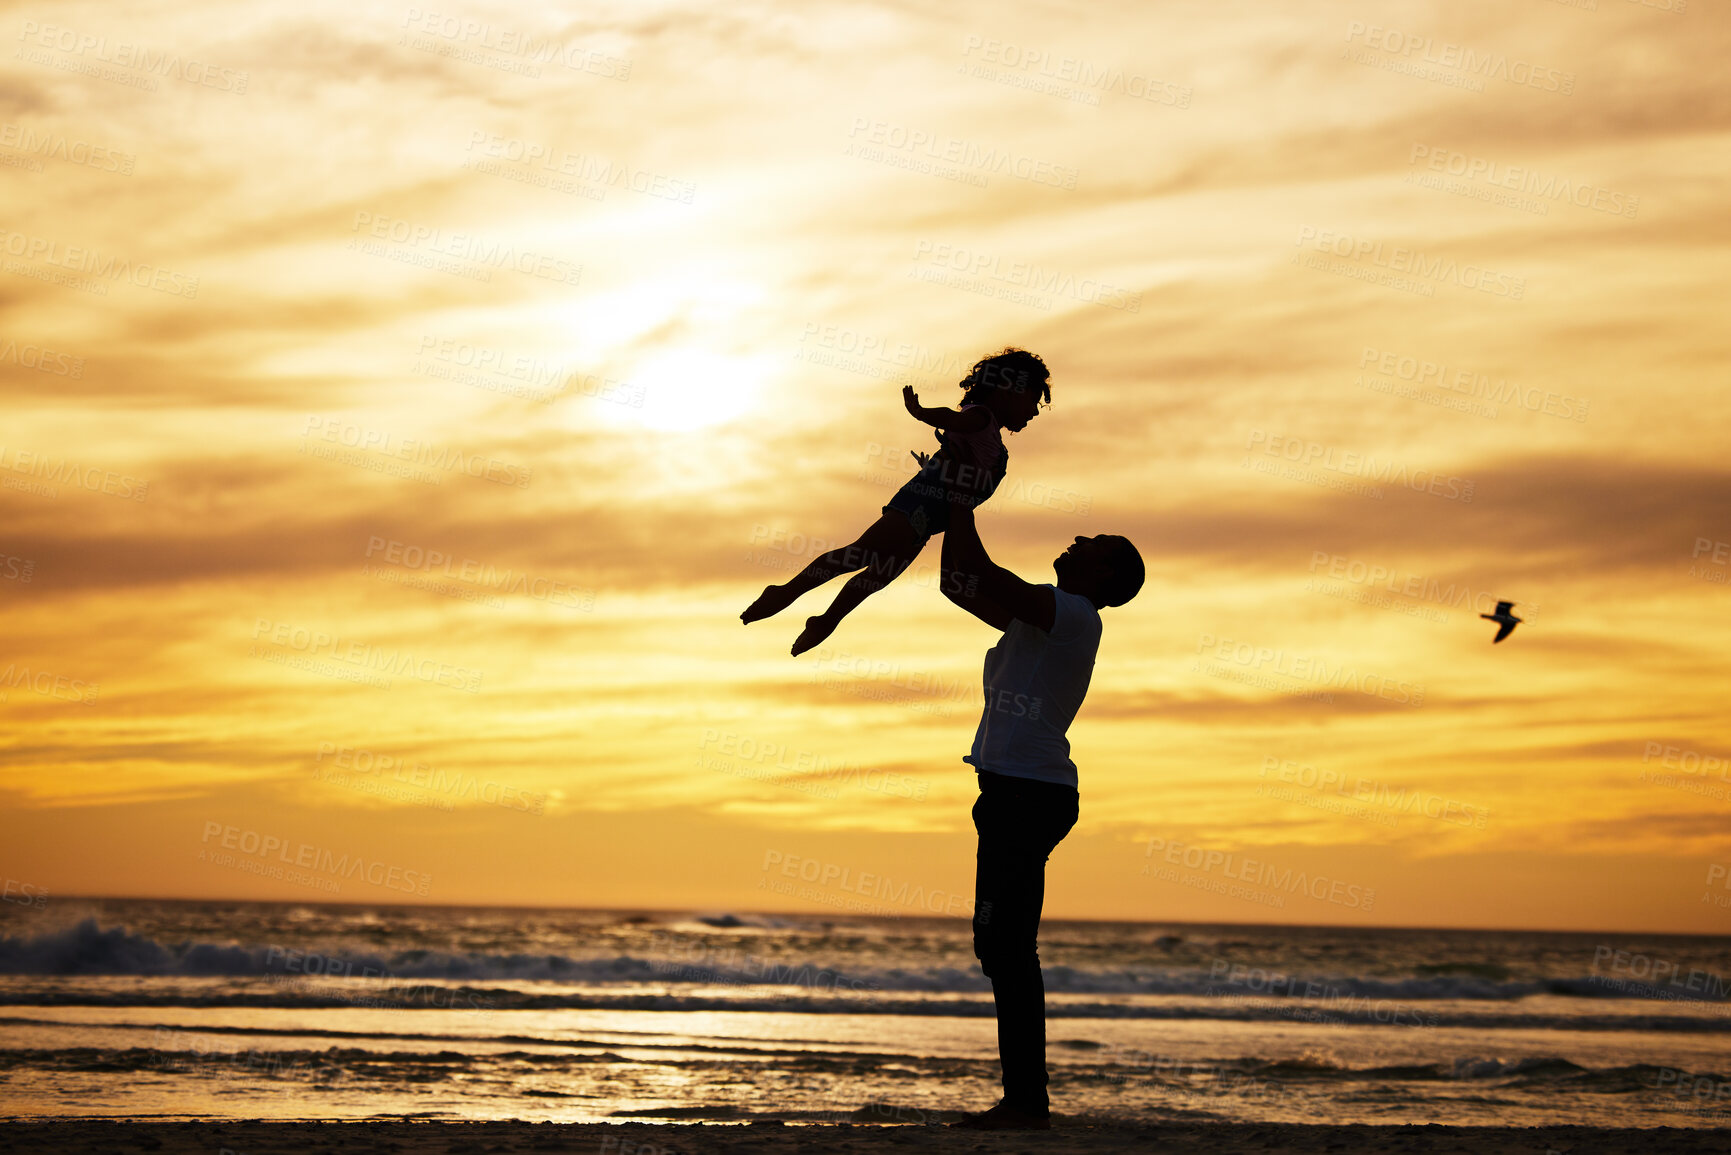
x=950, y=420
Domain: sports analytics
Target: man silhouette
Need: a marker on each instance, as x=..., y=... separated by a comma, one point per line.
x=1035, y=678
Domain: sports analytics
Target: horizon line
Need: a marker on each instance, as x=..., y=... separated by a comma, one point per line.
x=698, y=913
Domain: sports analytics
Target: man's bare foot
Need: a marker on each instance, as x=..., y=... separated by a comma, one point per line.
x=1004, y=1117
x=817, y=628
x=770, y=602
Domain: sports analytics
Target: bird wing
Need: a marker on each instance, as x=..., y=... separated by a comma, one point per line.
x=1504, y=607
x=1506, y=629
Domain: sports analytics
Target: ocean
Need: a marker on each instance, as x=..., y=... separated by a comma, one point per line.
x=228, y=1010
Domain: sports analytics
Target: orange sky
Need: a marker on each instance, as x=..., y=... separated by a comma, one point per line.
x=401, y=407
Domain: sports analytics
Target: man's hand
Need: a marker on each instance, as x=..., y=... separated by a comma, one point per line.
x=912, y=400
x=982, y=587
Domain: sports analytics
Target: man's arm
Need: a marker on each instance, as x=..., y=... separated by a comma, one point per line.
x=951, y=420
x=982, y=587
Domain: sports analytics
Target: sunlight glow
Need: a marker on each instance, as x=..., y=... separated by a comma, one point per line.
x=687, y=389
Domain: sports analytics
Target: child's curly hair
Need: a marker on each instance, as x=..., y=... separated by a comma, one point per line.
x=1010, y=368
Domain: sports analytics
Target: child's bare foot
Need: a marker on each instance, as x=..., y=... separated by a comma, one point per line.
x=771, y=601
x=817, y=628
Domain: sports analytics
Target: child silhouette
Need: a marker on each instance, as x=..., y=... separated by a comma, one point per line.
x=1003, y=391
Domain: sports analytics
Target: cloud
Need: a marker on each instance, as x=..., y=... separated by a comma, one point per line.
x=1158, y=411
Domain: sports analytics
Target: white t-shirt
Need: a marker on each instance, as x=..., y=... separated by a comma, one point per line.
x=1035, y=682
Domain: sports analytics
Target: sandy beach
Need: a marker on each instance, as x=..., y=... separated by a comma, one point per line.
x=1070, y=1136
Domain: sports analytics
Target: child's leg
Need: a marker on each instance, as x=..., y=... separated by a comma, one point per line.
x=859, y=587
x=890, y=535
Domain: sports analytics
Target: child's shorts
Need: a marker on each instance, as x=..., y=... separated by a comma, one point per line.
x=926, y=498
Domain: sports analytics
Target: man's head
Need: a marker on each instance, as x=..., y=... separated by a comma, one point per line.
x=1012, y=383
x=1105, y=569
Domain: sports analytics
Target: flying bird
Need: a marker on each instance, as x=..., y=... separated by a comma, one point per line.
x=1505, y=621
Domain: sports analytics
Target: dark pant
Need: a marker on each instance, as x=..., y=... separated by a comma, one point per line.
x=1020, y=821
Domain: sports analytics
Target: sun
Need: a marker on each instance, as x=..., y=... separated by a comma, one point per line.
x=685, y=389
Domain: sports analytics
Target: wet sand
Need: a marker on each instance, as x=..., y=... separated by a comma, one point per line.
x=1077, y=1136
